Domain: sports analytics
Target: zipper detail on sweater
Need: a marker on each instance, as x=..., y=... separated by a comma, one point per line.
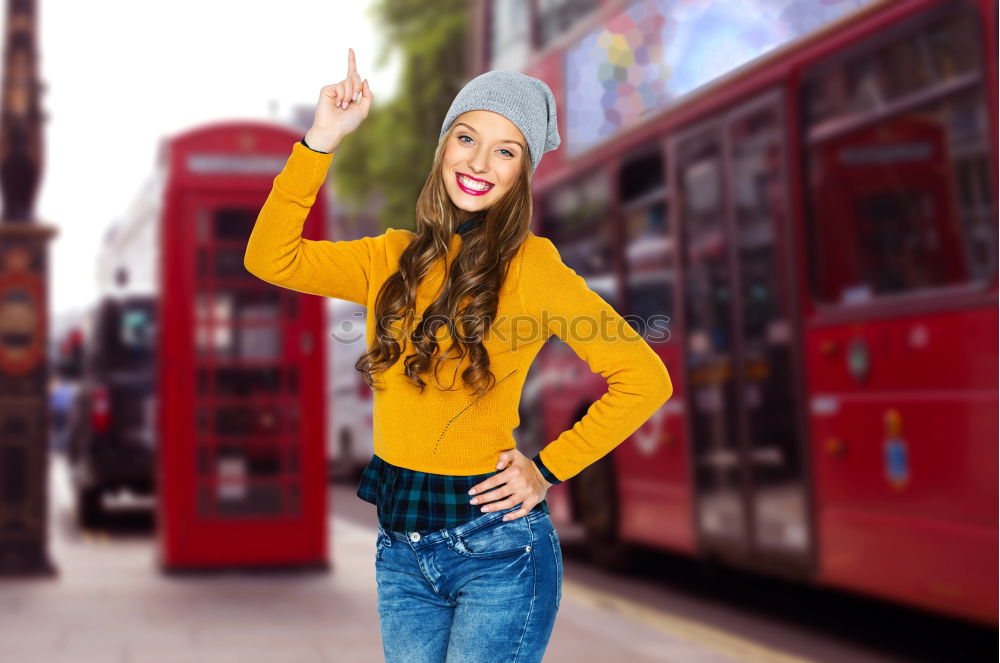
x=445, y=429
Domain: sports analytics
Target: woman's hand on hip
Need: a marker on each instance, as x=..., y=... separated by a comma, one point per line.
x=522, y=481
x=341, y=109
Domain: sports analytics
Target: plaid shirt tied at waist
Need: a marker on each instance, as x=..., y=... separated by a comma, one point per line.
x=411, y=501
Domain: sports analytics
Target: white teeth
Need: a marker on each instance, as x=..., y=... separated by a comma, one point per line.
x=478, y=186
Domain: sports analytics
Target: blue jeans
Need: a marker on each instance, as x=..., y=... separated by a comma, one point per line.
x=485, y=591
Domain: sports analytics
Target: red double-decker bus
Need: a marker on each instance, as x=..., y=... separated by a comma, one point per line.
x=808, y=203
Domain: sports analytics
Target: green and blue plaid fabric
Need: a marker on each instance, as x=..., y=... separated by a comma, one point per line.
x=411, y=501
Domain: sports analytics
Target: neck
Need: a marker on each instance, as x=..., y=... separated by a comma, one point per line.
x=468, y=221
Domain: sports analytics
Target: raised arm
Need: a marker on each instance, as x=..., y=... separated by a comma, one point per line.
x=638, y=382
x=277, y=252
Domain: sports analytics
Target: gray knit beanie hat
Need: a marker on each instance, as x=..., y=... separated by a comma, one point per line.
x=526, y=101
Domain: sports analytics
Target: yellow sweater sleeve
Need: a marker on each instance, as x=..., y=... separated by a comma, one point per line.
x=277, y=252
x=638, y=382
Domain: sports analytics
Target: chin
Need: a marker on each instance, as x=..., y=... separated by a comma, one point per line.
x=463, y=202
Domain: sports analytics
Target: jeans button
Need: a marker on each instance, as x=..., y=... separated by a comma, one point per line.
x=414, y=536
x=527, y=548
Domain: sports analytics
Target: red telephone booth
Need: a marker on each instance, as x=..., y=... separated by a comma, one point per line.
x=241, y=468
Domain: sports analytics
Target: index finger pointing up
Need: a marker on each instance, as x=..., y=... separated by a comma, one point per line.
x=351, y=67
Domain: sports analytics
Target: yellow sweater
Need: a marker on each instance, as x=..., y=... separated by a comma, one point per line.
x=450, y=431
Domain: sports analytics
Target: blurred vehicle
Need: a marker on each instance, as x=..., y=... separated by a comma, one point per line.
x=67, y=361
x=62, y=393
x=111, y=427
x=799, y=210
x=349, y=433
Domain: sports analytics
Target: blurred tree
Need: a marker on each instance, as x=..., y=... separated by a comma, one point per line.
x=389, y=156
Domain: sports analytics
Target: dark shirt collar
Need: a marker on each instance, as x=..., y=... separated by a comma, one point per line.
x=465, y=226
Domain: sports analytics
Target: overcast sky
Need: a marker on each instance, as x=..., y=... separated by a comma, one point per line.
x=120, y=74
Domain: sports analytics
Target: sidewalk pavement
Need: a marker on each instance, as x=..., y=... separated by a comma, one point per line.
x=110, y=604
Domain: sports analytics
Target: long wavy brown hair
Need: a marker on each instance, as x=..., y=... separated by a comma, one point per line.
x=469, y=297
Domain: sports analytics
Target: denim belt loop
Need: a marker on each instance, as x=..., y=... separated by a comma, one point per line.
x=385, y=533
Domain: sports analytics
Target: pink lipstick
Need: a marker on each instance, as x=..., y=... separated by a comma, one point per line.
x=472, y=192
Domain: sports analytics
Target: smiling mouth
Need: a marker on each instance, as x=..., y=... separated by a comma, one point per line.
x=472, y=186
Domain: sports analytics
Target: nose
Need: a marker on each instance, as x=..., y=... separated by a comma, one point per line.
x=477, y=163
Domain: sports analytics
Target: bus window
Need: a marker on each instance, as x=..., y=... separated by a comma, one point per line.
x=944, y=50
x=137, y=333
x=576, y=217
x=758, y=201
x=125, y=334
x=706, y=278
x=649, y=250
x=901, y=202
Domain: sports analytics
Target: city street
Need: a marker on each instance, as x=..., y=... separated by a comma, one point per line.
x=109, y=604
x=738, y=328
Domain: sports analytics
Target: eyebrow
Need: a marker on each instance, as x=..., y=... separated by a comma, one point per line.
x=463, y=124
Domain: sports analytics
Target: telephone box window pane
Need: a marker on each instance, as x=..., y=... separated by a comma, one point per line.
x=221, y=308
x=202, y=419
x=234, y=223
x=253, y=343
x=248, y=420
x=260, y=343
x=229, y=264
x=201, y=341
x=204, y=464
x=242, y=381
x=237, y=306
x=259, y=305
x=202, y=302
x=236, y=498
x=247, y=460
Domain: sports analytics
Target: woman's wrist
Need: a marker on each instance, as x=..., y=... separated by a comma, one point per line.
x=322, y=141
x=541, y=477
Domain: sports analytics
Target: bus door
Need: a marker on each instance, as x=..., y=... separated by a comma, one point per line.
x=257, y=394
x=741, y=368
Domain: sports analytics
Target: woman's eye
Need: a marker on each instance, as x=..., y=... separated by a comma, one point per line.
x=501, y=149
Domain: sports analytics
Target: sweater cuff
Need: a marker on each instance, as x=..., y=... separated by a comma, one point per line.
x=551, y=478
x=303, y=141
x=304, y=172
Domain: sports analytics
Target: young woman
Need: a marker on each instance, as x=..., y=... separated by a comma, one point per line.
x=467, y=562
